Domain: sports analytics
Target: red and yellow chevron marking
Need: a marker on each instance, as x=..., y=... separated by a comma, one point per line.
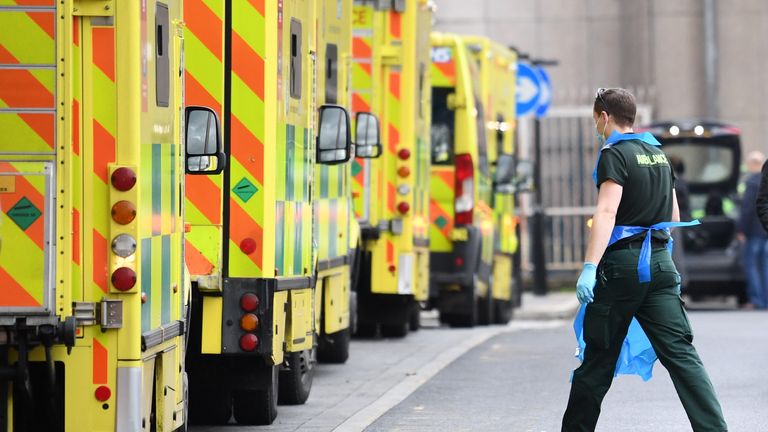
x=204, y=86
x=103, y=127
x=27, y=39
x=247, y=122
x=442, y=196
x=22, y=279
x=76, y=162
x=395, y=29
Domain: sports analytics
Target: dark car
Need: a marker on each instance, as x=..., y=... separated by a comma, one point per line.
x=711, y=154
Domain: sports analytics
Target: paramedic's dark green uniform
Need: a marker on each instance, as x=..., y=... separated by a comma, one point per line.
x=647, y=180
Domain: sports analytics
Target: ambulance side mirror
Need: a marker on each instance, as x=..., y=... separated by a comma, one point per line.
x=523, y=176
x=367, y=136
x=505, y=174
x=202, y=140
x=334, y=141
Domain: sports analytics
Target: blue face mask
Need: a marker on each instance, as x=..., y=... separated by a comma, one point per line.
x=601, y=136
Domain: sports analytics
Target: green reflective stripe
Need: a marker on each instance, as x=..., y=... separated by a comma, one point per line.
x=324, y=181
x=279, y=234
x=157, y=187
x=290, y=148
x=174, y=182
x=298, y=239
x=166, y=280
x=333, y=232
x=146, y=283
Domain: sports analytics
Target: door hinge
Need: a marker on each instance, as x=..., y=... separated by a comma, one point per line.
x=93, y=8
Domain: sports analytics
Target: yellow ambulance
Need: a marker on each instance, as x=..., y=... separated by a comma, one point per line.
x=252, y=255
x=94, y=298
x=391, y=79
x=462, y=228
x=498, y=75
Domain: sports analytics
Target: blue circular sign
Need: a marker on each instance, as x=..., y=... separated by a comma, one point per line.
x=528, y=89
x=545, y=92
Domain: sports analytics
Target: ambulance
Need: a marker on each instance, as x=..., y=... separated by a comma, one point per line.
x=462, y=222
x=391, y=79
x=251, y=252
x=498, y=75
x=93, y=293
x=336, y=231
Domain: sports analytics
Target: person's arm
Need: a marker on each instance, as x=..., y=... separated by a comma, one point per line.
x=762, y=198
x=747, y=208
x=608, y=200
x=675, y=207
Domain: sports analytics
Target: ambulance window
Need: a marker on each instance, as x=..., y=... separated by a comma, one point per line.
x=482, y=142
x=500, y=134
x=162, y=62
x=296, y=59
x=331, y=73
x=441, y=131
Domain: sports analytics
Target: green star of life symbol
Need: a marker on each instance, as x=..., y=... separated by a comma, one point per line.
x=441, y=222
x=356, y=168
x=244, y=189
x=24, y=213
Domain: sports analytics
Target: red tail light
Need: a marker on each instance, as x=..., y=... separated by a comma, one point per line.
x=403, y=207
x=248, y=342
x=404, y=154
x=248, y=246
x=124, y=278
x=459, y=261
x=465, y=189
x=249, y=302
x=123, y=179
x=102, y=393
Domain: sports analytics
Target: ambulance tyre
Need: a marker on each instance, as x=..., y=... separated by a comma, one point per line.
x=258, y=407
x=296, y=378
x=503, y=311
x=365, y=330
x=334, y=348
x=394, y=330
x=485, y=307
x=210, y=405
x=414, y=321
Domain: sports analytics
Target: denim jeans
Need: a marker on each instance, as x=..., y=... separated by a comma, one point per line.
x=756, y=268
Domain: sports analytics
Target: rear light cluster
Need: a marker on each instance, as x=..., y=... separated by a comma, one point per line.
x=249, y=321
x=403, y=172
x=123, y=278
x=465, y=189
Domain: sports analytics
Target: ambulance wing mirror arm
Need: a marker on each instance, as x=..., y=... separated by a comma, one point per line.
x=367, y=136
x=504, y=181
x=523, y=180
x=334, y=139
x=202, y=140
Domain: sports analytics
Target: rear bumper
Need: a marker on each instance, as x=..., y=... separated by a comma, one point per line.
x=714, y=273
x=443, y=268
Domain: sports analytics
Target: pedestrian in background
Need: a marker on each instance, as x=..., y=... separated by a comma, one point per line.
x=628, y=272
x=762, y=198
x=753, y=237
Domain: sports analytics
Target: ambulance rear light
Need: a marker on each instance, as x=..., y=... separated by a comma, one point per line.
x=123, y=212
x=248, y=246
x=459, y=261
x=249, y=342
x=102, y=393
x=124, y=246
x=404, y=172
x=403, y=207
x=123, y=179
x=124, y=278
x=249, y=322
x=249, y=302
x=465, y=189
x=404, y=154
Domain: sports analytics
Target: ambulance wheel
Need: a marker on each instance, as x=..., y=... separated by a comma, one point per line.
x=394, y=330
x=414, y=321
x=210, y=405
x=258, y=407
x=504, y=311
x=296, y=378
x=334, y=348
x=365, y=330
x=485, y=310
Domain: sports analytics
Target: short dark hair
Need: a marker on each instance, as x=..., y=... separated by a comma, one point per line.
x=618, y=103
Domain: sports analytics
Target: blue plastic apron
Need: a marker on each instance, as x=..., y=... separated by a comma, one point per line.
x=637, y=356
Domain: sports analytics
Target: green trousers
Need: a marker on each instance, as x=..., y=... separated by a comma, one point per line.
x=659, y=310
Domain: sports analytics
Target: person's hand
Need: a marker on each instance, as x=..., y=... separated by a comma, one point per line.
x=741, y=237
x=586, y=283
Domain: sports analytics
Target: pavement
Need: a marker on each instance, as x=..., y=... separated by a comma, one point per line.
x=381, y=373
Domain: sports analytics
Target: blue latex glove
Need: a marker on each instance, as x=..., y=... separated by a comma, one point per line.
x=586, y=283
